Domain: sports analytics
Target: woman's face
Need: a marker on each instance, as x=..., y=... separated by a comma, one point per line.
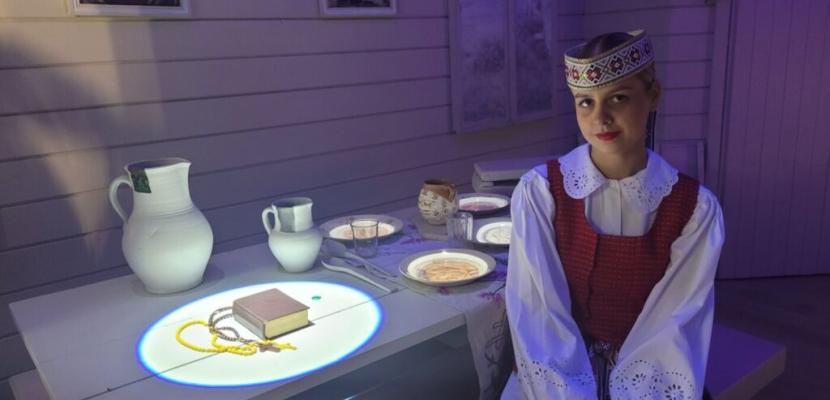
x=613, y=118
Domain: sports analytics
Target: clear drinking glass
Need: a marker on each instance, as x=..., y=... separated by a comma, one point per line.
x=365, y=236
x=459, y=229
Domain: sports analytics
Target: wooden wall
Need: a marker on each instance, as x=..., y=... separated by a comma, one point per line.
x=682, y=32
x=265, y=98
x=777, y=155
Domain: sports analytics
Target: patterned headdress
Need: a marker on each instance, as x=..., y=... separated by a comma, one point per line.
x=628, y=58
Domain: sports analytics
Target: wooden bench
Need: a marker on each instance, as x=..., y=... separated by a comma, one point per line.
x=740, y=365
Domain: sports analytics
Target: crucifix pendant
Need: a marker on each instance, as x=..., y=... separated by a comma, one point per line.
x=263, y=347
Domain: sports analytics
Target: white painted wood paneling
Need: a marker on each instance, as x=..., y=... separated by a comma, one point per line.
x=777, y=150
x=87, y=209
x=236, y=9
x=614, y=7
x=43, y=133
x=94, y=40
x=671, y=21
x=101, y=84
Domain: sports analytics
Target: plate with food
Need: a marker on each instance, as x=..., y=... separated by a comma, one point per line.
x=447, y=267
x=339, y=228
x=492, y=231
x=482, y=203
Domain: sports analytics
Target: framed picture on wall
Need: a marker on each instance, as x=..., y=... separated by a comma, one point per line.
x=358, y=8
x=130, y=8
x=501, y=62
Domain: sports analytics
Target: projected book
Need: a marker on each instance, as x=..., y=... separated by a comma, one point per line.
x=270, y=313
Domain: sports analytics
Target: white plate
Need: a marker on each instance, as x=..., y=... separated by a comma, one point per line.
x=339, y=228
x=493, y=231
x=418, y=266
x=482, y=203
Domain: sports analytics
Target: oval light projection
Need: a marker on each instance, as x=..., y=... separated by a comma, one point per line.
x=343, y=318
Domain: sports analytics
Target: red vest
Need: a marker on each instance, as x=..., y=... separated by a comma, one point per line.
x=609, y=276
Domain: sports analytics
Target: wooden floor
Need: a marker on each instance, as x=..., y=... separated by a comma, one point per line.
x=789, y=311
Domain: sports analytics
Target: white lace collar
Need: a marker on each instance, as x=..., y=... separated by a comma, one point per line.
x=645, y=189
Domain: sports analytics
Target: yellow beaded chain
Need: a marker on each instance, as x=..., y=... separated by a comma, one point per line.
x=247, y=349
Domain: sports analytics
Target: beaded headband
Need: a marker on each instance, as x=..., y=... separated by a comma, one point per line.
x=610, y=66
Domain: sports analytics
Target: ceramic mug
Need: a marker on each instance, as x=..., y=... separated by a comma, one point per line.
x=437, y=200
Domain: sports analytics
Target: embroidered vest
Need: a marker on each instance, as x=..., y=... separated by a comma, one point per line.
x=609, y=276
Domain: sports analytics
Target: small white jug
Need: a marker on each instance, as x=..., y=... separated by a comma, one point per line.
x=293, y=238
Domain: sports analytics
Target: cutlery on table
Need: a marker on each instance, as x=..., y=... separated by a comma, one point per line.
x=337, y=249
x=339, y=265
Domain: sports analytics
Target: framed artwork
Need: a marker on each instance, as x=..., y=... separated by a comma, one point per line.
x=358, y=8
x=501, y=62
x=131, y=8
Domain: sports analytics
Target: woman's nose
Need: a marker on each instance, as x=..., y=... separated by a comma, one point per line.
x=602, y=116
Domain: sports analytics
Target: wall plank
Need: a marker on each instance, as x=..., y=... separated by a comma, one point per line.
x=36, y=134
x=237, y=9
x=101, y=84
x=144, y=40
x=776, y=156
x=658, y=22
x=684, y=101
x=35, y=178
x=681, y=126
x=88, y=208
x=613, y=7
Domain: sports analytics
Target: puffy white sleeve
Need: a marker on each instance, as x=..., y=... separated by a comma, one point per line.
x=665, y=354
x=552, y=361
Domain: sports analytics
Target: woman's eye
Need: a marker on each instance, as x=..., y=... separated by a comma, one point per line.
x=619, y=98
x=584, y=103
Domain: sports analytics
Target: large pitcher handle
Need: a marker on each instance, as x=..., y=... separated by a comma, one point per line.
x=267, y=223
x=121, y=180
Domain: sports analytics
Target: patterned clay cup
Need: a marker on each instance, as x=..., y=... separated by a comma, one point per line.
x=437, y=200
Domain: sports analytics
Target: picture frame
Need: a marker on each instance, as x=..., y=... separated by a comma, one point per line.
x=358, y=8
x=502, y=65
x=130, y=8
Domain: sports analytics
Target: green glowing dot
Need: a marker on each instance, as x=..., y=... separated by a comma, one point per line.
x=316, y=297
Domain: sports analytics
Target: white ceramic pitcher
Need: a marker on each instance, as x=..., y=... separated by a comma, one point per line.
x=167, y=241
x=293, y=238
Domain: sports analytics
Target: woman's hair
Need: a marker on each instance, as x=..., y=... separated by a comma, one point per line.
x=607, y=41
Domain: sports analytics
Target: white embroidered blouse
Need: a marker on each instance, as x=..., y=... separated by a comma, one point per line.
x=664, y=355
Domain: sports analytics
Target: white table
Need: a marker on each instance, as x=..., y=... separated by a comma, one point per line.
x=83, y=341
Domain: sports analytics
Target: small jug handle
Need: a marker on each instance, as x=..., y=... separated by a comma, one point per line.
x=266, y=223
x=121, y=180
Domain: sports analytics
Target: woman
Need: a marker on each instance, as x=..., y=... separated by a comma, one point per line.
x=613, y=252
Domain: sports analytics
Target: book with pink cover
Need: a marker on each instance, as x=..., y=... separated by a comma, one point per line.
x=270, y=313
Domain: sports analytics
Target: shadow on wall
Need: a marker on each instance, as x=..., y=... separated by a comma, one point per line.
x=53, y=156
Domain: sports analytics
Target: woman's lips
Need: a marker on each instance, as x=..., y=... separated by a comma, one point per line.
x=608, y=135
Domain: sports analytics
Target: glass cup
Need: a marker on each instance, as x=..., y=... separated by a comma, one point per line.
x=365, y=236
x=459, y=229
